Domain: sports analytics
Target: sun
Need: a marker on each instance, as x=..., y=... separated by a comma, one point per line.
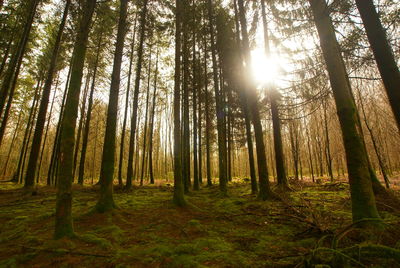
x=265, y=69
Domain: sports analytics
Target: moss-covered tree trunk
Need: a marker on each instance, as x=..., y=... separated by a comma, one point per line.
x=106, y=200
x=362, y=196
x=63, y=225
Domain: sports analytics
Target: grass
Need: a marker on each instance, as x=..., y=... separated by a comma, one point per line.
x=148, y=231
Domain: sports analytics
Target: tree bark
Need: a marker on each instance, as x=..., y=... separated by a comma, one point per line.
x=106, y=200
x=128, y=89
x=221, y=129
x=44, y=102
x=143, y=19
x=63, y=225
x=265, y=191
x=178, y=197
x=362, y=195
x=383, y=54
x=152, y=115
x=81, y=172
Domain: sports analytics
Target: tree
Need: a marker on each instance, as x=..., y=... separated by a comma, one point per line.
x=220, y=113
x=383, y=54
x=41, y=119
x=252, y=101
x=106, y=200
x=143, y=18
x=64, y=226
x=178, y=197
x=276, y=124
x=362, y=196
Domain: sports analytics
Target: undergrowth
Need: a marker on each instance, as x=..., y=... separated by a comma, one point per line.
x=308, y=226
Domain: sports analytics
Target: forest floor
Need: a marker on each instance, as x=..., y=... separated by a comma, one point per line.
x=147, y=230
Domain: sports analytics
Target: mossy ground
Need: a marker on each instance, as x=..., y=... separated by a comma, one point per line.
x=147, y=230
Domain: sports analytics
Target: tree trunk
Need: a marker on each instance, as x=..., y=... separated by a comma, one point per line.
x=81, y=172
x=383, y=54
x=41, y=119
x=106, y=200
x=220, y=114
x=208, y=120
x=196, y=182
x=265, y=191
x=279, y=156
x=178, y=197
x=12, y=143
x=16, y=60
x=246, y=115
x=362, y=195
x=47, y=130
x=145, y=123
x=63, y=226
x=327, y=143
x=152, y=115
x=128, y=89
x=143, y=18
x=25, y=141
x=80, y=125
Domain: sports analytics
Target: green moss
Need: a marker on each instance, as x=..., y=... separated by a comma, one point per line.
x=93, y=239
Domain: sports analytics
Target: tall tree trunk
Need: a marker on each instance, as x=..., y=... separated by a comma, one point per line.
x=106, y=200
x=362, y=195
x=143, y=18
x=279, y=156
x=128, y=89
x=195, y=89
x=12, y=143
x=276, y=124
x=221, y=129
x=265, y=191
x=208, y=119
x=374, y=143
x=25, y=142
x=185, y=100
x=327, y=143
x=41, y=119
x=178, y=197
x=246, y=115
x=16, y=60
x=47, y=130
x=81, y=172
x=63, y=226
x=200, y=128
x=383, y=54
x=80, y=125
x=152, y=115
x=145, y=123
x=56, y=144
